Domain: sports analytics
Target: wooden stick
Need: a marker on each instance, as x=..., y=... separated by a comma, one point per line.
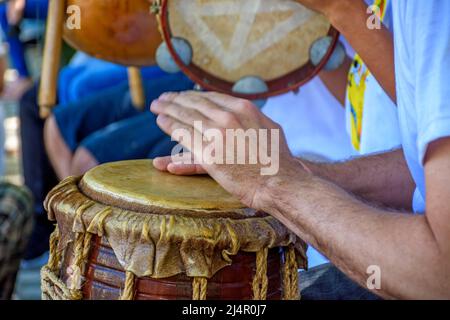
x=136, y=87
x=51, y=56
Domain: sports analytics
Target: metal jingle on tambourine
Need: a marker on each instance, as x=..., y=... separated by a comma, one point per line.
x=321, y=47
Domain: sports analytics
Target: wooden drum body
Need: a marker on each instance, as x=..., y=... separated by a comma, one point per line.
x=127, y=231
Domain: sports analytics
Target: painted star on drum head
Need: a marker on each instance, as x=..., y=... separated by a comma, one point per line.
x=258, y=26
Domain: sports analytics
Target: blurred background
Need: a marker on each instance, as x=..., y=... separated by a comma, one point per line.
x=31, y=35
x=21, y=46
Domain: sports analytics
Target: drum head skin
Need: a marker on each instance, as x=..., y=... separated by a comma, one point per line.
x=233, y=39
x=138, y=185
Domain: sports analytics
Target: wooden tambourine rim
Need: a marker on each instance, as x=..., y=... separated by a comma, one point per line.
x=289, y=82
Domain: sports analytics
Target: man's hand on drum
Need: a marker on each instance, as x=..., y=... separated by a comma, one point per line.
x=15, y=11
x=217, y=113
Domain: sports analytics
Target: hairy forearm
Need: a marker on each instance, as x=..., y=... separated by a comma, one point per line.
x=383, y=178
x=354, y=236
x=350, y=18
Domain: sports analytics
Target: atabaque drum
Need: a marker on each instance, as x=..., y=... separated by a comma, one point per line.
x=120, y=31
x=253, y=48
x=127, y=231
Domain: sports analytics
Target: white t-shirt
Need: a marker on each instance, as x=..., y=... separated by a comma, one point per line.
x=368, y=106
x=314, y=124
x=422, y=60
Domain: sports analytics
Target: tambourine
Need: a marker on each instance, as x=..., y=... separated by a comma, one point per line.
x=252, y=49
